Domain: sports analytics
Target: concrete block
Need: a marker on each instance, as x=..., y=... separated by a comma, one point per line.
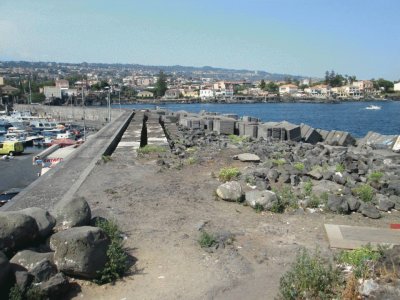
x=339, y=138
x=250, y=130
x=224, y=126
x=293, y=131
x=378, y=141
x=309, y=134
x=323, y=133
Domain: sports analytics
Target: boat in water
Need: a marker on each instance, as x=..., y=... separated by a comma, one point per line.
x=373, y=107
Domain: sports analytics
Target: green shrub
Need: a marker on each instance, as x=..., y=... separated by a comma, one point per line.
x=313, y=202
x=106, y=158
x=308, y=186
x=191, y=160
x=191, y=149
x=310, y=277
x=360, y=259
x=299, y=166
x=151, y=149
x=340, y=168
x=324, y=197
x=279, y=161
x=31, y=293
x=365, y=192
x=375, y=176
x=117, y=259
x=258, y=207
x=237, y=139
x=250, y=180
x=206, y=240
x=287, y=198
x=227, y=174
x=278, y=206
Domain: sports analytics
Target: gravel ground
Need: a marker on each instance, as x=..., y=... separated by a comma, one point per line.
x=160, y=210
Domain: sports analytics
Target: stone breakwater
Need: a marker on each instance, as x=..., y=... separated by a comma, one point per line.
x=324, y=170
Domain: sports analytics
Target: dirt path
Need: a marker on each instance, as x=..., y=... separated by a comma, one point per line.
x=161, y=213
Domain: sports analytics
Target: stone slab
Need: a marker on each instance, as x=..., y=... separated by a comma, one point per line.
x=352, y=237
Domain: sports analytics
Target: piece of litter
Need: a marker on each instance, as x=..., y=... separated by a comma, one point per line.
x=161, y=277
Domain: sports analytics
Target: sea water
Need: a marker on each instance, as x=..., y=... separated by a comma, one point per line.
x=352, y=117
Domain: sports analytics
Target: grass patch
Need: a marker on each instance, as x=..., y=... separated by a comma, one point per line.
x=362, y=260
x=206, y=240
x=365, y=192
x=258, y=207
x=106, y=158
x=237, y=139
x=340, y=168
x=299, y=166
x=31, y=293
x=117, y=263
x=151, y=149
x=191, y=149
x=286, y=198
x=324, y=197
x=227, y=174
x=375, y=176
x=310, y=277
x=308, y=186
x=313, y=202
x=279, y=161
x=191, y=160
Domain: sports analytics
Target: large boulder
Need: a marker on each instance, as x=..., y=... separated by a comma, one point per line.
x=43, y=271
x=257, y=198
x=384, y=204
x=370, y=211
x=230, y=191
x=248, y=157
x=56, y=286
x=4, y=267
x=80, y=251
x=338, y=204
x=396, y=200
x=30, y=259
x=44, y=220
x=72, y=213
x=16, y=230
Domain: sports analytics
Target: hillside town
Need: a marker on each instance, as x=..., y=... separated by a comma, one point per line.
x=62, y=84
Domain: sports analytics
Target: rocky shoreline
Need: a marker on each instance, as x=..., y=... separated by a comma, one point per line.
x=342, y=175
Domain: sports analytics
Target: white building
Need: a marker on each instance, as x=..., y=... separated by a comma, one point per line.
x=318, y=90
x=207, y=94
x=397, y=87
x=288, y=89
x=52, y=92
x=1, y=81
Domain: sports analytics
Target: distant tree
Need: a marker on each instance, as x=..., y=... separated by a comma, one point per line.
x=38, y=97
x=303, y=86
x=161, y=84
x=386, y=85
x=327, y=77
x=262, y=84
x=352, y=79
x=272, y=87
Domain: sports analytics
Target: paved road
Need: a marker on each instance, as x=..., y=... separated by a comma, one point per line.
x=18, y=172
x=57, y=183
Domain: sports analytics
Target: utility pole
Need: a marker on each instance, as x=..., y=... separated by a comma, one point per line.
x=109, y=105
x=84, y=116
x=119, y=98
x=30, y=91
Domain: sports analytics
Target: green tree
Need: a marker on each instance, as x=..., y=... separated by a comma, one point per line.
x=262, y=84
x=161, y=84
x=386, y=85
x=272, y=87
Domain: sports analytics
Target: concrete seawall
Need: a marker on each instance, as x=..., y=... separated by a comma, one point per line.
x=92, y=114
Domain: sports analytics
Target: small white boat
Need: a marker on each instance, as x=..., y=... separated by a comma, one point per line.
x=373, y=107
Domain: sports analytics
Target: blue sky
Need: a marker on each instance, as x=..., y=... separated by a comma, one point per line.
x=305, y=37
